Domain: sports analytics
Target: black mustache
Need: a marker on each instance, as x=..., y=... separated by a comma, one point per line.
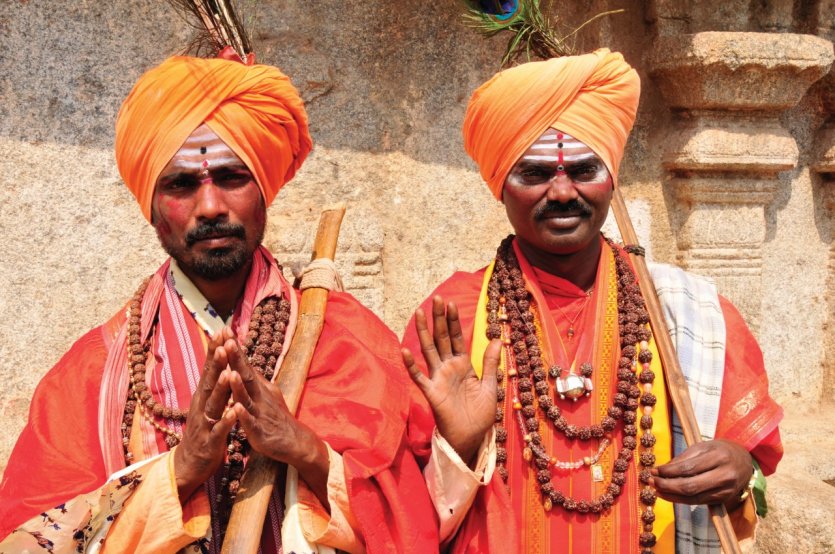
x=212, y=229
x=551, y=209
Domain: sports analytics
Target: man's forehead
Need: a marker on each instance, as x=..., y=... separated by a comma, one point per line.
x=202, y=149
x=554, y=144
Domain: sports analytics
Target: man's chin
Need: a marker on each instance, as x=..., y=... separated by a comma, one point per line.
x=216, y=264
x=565, y=242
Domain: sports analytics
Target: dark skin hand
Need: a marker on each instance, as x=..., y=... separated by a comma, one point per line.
x=710, y=472
x=464, y=405
x=203, y=448
x=270, y=427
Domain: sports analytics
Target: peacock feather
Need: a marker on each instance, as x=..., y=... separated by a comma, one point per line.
x=533, y=32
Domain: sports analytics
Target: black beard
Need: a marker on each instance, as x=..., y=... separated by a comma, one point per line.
x=217, y=263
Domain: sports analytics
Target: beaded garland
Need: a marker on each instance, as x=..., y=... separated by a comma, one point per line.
x=510, y=318
x=263, y=345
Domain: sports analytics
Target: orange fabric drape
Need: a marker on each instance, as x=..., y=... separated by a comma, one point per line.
x=353, y=398
x=254, y=109
x=593, y=97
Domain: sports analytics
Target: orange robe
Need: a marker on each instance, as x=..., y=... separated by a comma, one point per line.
x=516, y=521
x=352, y=399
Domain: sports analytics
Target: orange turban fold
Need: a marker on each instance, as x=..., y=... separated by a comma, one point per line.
x=254, y=109
x=593, y=97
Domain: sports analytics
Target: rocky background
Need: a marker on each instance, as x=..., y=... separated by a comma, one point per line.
x=729, y=172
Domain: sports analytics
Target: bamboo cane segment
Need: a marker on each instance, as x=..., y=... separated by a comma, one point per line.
x=679, y=392
x=243, y=534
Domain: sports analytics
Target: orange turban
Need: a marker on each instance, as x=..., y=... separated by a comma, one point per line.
x=254, y=109
x=593, y=97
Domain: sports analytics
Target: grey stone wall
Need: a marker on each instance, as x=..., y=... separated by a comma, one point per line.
x=386, y=84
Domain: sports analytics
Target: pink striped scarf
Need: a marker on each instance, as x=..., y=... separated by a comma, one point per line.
x=173, y=372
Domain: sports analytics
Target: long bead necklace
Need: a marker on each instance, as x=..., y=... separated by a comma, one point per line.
x=511, y=319
x=572, y=320
x=263, y=344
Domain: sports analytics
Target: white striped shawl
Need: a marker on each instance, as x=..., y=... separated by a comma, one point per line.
x=691, y=307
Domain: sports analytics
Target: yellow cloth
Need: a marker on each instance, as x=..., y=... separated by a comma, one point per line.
x=593, y=97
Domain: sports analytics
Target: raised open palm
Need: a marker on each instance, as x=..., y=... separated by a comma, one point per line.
x=464, y=405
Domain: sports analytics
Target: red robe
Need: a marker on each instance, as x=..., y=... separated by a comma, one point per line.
x=352, y=399
x=493, y=523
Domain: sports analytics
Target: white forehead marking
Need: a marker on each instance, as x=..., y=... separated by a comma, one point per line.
x=198, y=164
x=569, y=158
x=195, y=152
x=550, y=138
x=542, y=145
x=534, y=158
x=572, y=150
x=578, y=157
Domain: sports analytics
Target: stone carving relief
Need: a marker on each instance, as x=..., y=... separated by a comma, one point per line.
x=727, y=144
x=359, y=255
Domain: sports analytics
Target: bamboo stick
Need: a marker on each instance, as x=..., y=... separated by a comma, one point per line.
x=243, y=534
x=677, y=384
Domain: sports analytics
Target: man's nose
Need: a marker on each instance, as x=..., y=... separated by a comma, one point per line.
x=210, y=203
x=561, y=188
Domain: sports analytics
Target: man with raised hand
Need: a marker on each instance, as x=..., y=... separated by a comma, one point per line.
x=550, y=347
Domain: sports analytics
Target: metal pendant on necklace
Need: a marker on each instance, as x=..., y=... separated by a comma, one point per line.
x=575, y=386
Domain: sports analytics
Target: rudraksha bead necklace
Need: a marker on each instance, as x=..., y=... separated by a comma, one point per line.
x=511, y=319
x=263, y=345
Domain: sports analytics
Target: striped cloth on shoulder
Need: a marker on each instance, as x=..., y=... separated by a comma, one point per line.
x=691, y=307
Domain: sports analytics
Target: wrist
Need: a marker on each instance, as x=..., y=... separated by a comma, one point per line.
x=313, y=456
x=467, y=452
x=467, y=449
x=740, y=497
x=313, y=465
x=186, y=484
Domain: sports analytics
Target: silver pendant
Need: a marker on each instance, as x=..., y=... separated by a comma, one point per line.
x=571, y=386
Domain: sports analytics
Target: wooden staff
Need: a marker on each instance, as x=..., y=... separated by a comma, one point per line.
x=677, y=384
x=243, y=534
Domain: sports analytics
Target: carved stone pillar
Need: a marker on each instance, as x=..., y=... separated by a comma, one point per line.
x=727, y=91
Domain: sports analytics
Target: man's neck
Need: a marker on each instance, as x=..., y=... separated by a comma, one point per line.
x=578, y=267
x=222, y=294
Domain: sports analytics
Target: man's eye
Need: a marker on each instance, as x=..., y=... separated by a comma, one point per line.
x=233, y=179
x=179, y=183
x=585, y=173
x=535, y=175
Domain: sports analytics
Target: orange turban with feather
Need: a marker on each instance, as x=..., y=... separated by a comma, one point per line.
x=254, y=109
x=593, y=97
